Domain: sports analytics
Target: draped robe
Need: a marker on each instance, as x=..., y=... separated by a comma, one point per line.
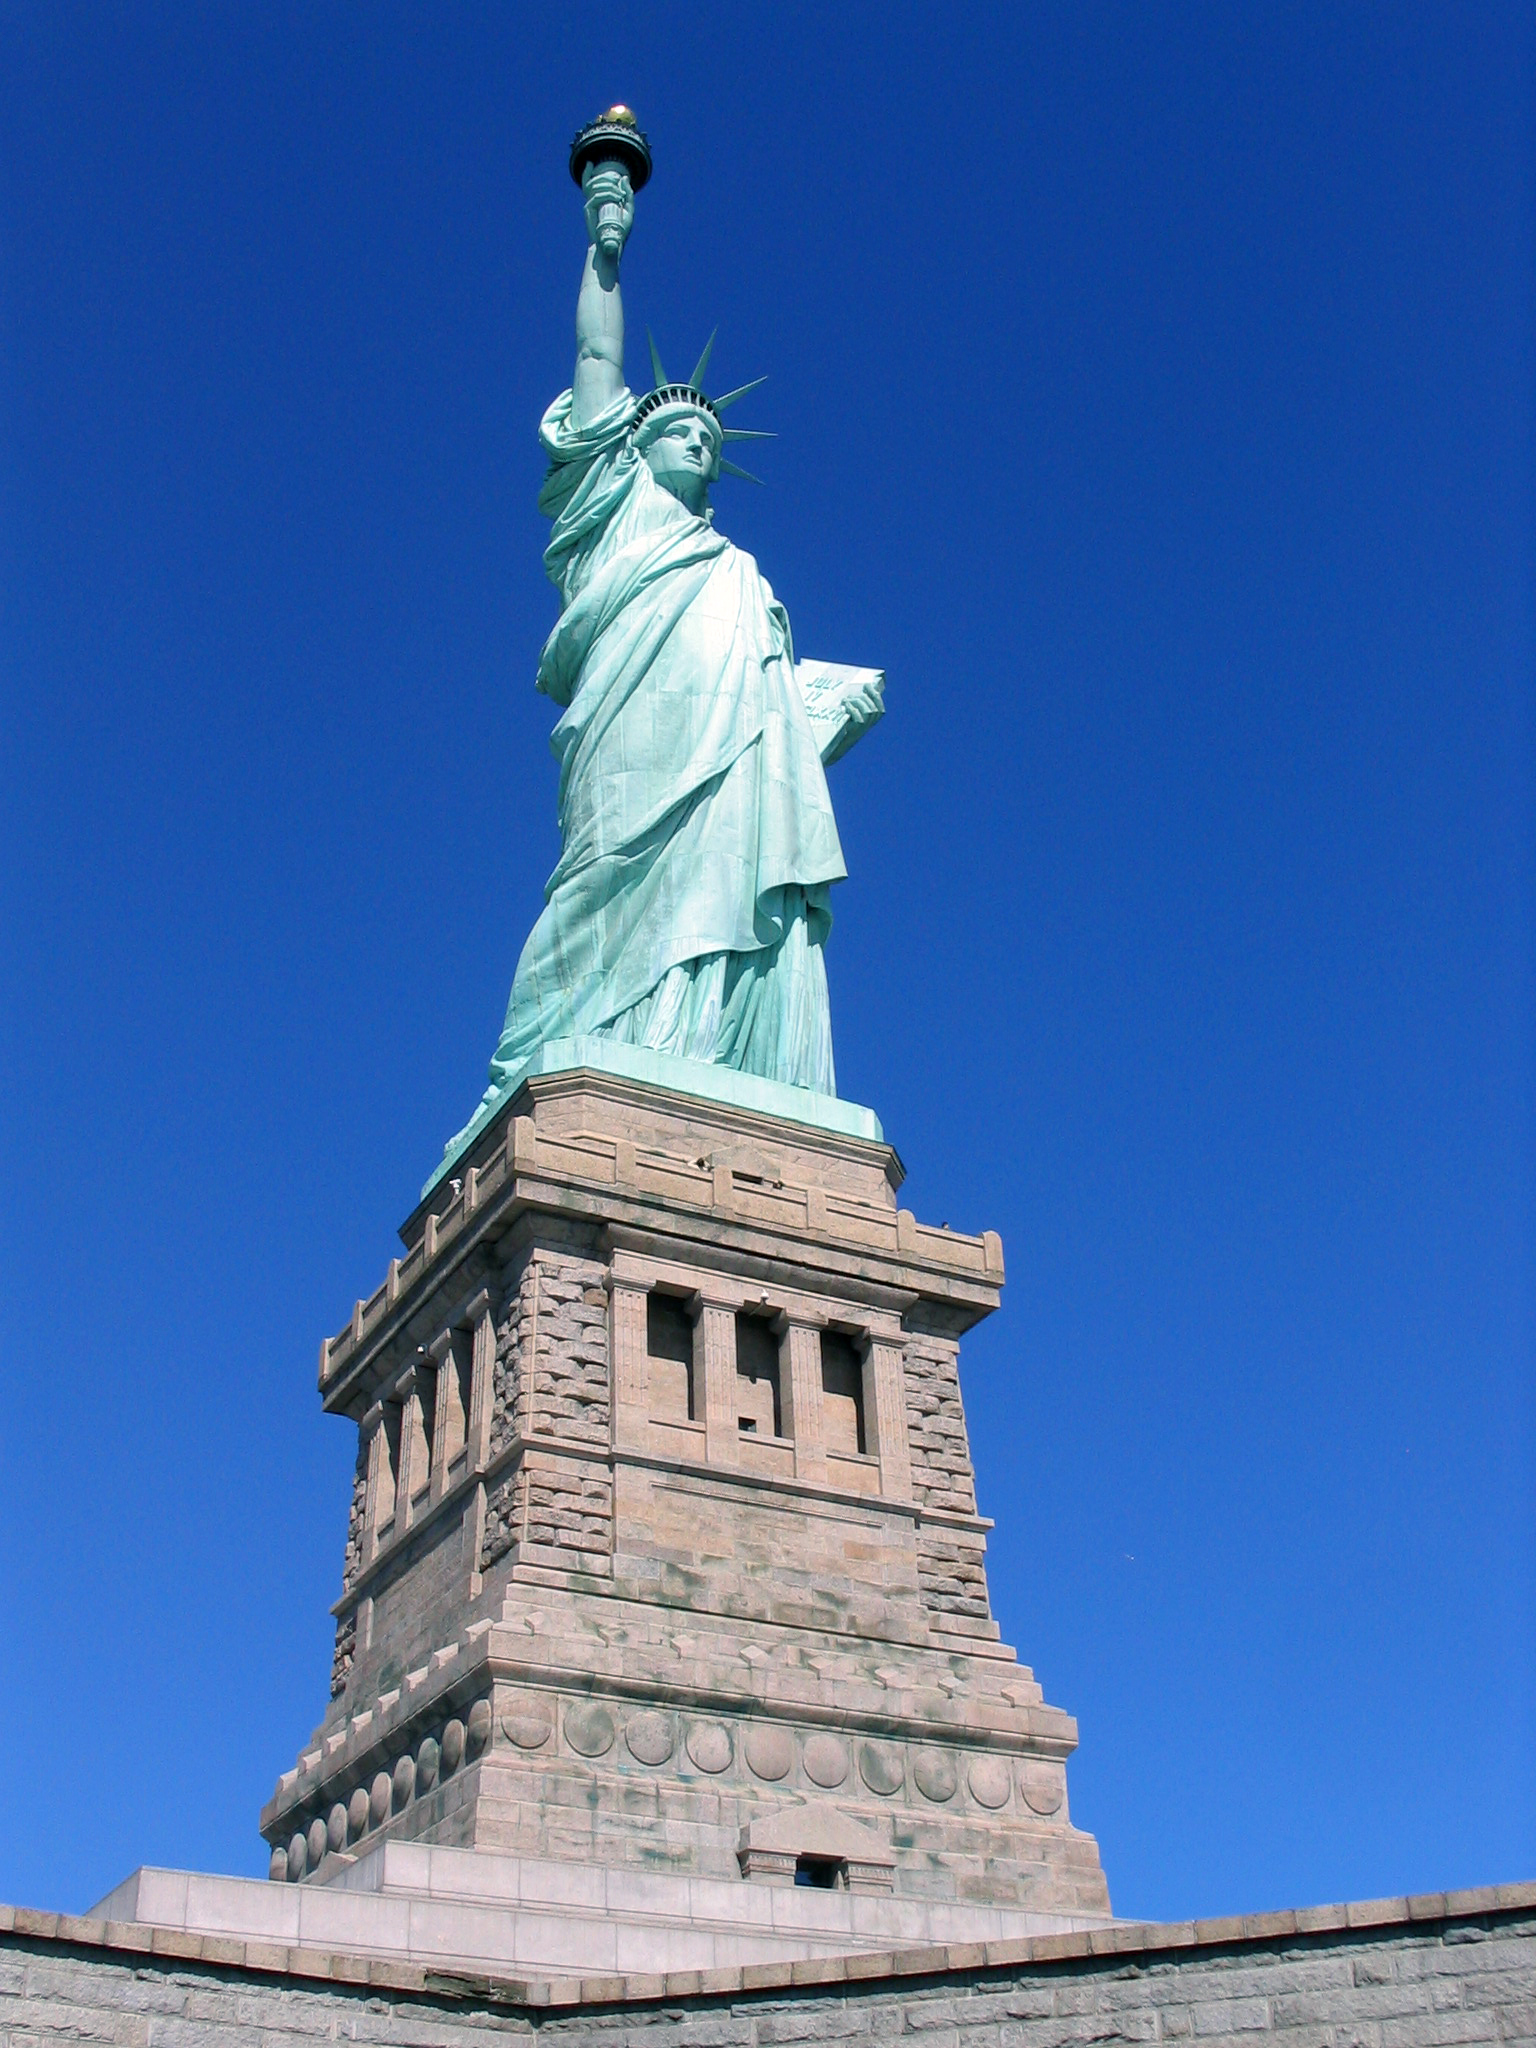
x=689, y=907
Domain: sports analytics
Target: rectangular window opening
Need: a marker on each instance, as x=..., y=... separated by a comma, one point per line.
x=669, y=1349
x=757, y=1377
x=822, y=1873
x=842, y=1394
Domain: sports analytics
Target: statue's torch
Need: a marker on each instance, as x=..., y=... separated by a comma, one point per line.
x=613, y=138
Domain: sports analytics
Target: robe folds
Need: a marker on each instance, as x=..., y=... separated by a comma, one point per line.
x=689, y=906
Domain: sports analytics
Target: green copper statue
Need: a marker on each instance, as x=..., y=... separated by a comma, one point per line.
x=689, y=909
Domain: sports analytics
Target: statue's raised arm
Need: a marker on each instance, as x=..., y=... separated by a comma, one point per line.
x=610, y=160
x=599, y=377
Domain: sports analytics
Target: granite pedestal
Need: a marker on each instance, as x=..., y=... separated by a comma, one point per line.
x=664, y=1554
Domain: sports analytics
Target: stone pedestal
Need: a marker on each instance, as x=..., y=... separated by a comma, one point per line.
x=664, y=1553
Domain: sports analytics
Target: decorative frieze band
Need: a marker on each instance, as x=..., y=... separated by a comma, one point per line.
x=541, y=1726
x=344, y=1818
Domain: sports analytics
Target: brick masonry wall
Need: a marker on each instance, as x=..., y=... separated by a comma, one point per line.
x=550, y=1378
x=571, y=1356
x=941, y=1454
x=952, y=1574
x=570, y=1516
x=556, y=1316
x=344, y=1655
x=352, y=1561
x=1441, y=1972
x=516, y=1326
x=556, y=1513
x=505, y=1507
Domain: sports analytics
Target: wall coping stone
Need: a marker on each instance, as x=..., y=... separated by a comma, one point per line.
x=1124, y=1940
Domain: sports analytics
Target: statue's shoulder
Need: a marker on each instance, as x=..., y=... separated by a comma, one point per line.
x=592, y=467
x=563, y=440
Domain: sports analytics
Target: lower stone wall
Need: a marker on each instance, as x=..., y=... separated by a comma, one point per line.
x=1437, y=1972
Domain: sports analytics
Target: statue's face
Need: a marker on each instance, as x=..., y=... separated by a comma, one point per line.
x=681, y=456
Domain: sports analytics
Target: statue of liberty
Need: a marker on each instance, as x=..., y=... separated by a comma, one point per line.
x=689, y=909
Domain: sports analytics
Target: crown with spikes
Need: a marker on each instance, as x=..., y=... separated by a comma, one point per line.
x=691, y=397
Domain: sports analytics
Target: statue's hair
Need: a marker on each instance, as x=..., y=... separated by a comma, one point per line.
x=667, y=401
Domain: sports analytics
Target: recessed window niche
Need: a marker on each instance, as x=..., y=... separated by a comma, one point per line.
x=669, y=1348
x=758, y=1411
x=842, y=1394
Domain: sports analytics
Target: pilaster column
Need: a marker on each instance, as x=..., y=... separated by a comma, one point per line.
x=715, y=1348
x=800, y=1394
x=478, y=1430
x=885, y=1418
x=441, y=1349
x=379, y=1478
x=408, y=1393
x=631, y=1366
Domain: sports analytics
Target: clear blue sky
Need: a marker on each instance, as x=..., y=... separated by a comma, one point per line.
x=1154, y=386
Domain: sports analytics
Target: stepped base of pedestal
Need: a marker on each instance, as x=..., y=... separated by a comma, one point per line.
x=473, y=1910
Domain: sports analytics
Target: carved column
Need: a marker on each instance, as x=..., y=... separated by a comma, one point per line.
x=885, y=1418
x=631, y=1367
x=717, y=1344
x=800, y=1392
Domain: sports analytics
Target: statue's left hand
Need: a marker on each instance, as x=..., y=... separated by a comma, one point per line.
x=610, y=206
x=863, y=707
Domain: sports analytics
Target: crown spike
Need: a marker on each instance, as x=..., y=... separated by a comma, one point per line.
x=741, y=391
x=748, y=434
x=734, y=469
x=697, y=379
x=660, y=373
